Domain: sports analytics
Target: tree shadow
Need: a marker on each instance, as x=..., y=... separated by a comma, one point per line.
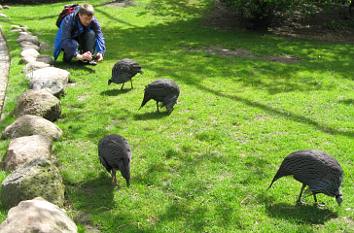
x=177, y=8
x=33, y=2
x=283, y=113
x=114, y=92
x=150, y=116
x=112, y=17
x=347, y=101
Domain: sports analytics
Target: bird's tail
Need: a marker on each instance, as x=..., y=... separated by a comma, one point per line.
x=170, y=102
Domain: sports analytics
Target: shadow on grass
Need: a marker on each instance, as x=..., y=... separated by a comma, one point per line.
x=74, y=65
x=94, y=195
x=279, y=112
x=150, y=115
x=114, y=92
x=347, y=101
x=301, y=214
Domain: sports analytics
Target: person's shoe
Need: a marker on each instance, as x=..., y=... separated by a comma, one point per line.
x=92, y=63
x=83, y=62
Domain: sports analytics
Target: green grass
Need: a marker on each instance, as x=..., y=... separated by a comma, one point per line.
x=206, y=167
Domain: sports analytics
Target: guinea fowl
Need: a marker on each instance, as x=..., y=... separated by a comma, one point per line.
x=115, y=154
x=315, y=169
x=123, y=71
x=162, y=90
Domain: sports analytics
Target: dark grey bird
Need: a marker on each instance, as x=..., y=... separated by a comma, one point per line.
x=123, y=71
x=115, y=154
x=315, y=169
x=165, y=91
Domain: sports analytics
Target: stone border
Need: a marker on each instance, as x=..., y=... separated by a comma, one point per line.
x=4, y=70
x=36, y=68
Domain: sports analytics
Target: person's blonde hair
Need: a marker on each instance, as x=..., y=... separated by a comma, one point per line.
x=86, y=9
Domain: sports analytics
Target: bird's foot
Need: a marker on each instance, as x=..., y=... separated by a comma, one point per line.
x=114, y=181
x=300, y=203
x=319, y=205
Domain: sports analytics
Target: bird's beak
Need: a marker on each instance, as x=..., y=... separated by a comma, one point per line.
x=141, y=72
x=339, y=199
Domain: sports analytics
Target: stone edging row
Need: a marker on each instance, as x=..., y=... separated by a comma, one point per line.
x=29, y=156
x=4, y=70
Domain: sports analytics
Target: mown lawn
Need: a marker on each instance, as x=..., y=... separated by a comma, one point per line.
x=205, y=167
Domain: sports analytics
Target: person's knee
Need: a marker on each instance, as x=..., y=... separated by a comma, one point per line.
x=70, y=47
x=68, y=57
x=90, y=34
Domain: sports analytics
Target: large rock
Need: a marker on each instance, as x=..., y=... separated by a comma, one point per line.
x=45, y=59
x=32, y=66
x=30, y=52
x=17, y=30
x=29, y=55
x=37, y=216
x=24, y=28
x=29, y=38
x=28, y=59
x=39, y=103
x=50, y=78
x=28, y=125
x=29, y=45
x=45, y=47
x=39, y=177
x=25, y=149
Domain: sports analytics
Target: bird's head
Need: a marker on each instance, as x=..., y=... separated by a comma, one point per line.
x=125, y=170
x=109, y=81
x=339, y=198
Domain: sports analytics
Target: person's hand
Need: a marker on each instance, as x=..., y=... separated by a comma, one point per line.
x=87, y=56
x=99, y=57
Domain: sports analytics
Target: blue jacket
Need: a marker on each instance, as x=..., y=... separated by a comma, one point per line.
x=70, y=28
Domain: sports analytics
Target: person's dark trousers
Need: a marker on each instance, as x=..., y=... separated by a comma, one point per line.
x=85, y=42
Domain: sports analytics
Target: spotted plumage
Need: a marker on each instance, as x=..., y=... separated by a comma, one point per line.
x=315, y=169
x=115, y=154
x=123, y=71
x=165, y=91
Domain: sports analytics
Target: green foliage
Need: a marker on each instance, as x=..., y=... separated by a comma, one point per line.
x=261, y=13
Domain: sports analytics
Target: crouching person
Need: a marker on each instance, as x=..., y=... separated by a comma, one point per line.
x=80, y=36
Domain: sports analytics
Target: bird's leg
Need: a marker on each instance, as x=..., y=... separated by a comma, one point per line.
x=157, y=105
x=299, y=201
x=314, y=197
x=122, y=86
x=131, y=84
x=320, y=205
x=114, y=178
